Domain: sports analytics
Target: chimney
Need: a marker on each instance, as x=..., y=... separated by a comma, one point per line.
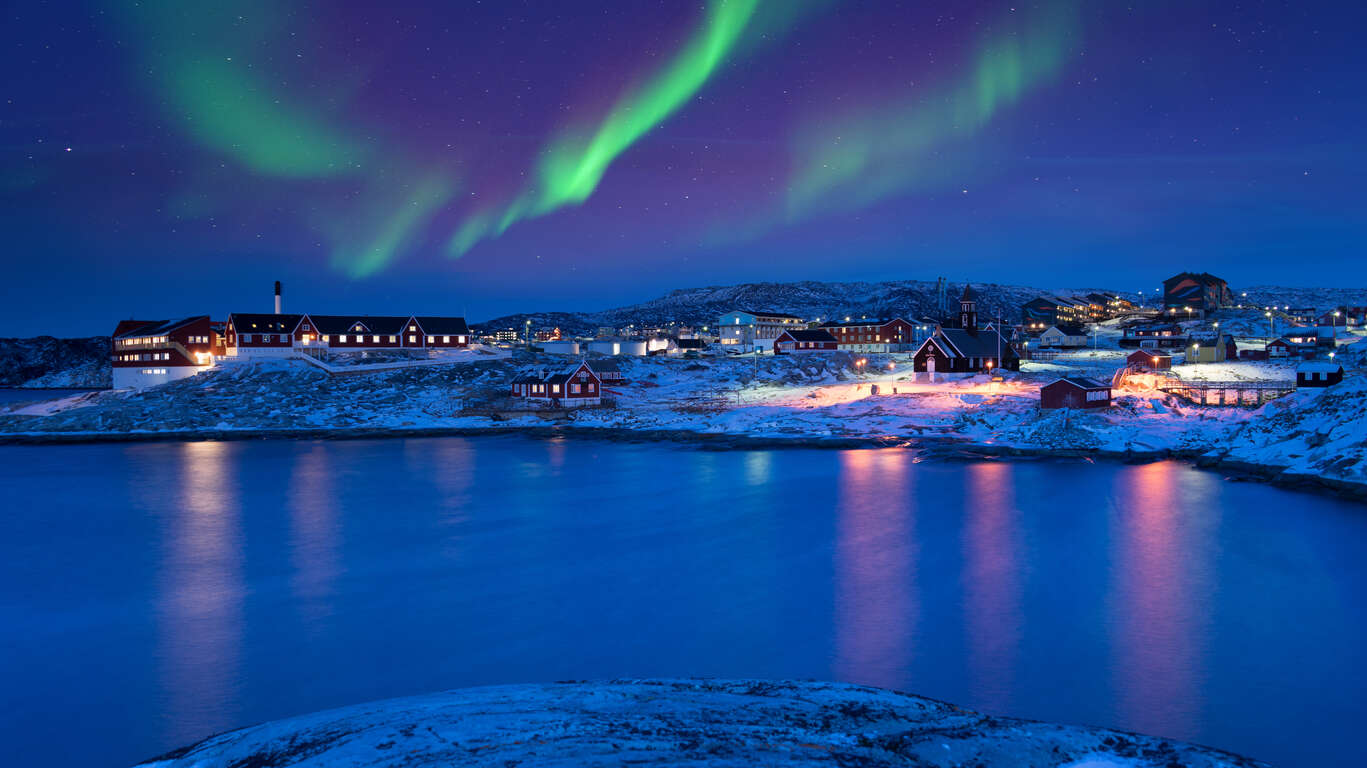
x=277, y=297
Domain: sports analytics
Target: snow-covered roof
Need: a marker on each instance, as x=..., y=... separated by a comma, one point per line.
x=1081, y=382
x=159, y=327
x=809, y=334
x=1319, y=368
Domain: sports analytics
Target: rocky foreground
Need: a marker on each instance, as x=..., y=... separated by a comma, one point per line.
x=679, y=723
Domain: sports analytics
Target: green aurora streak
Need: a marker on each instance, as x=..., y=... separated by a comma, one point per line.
x=572, y=164
x=879, y=152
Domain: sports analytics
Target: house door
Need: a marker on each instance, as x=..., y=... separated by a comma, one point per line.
x=930, y=363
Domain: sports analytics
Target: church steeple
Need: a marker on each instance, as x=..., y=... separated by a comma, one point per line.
x=968, y=310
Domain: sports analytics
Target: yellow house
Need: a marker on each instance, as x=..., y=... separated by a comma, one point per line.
x=1209, y=350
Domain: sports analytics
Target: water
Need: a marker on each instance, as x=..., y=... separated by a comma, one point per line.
x=11, y=396
x=153, y=594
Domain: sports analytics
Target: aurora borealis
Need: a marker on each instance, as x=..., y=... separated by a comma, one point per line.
x=165, y=158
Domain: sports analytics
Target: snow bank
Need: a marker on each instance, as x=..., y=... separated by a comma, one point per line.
x=680, y=723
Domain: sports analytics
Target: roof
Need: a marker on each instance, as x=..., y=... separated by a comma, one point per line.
x=1319, y=368
x=982, y=344
x=1081, y=382
x=692, y=344
x=156, y=327
x=443, y=326
x=543, y=375
x=876, y=322
x=809, y=334
x=263, y=322
x=969, y=294
x=1149, y=352
x=389, y=325
x=1200, y=277
x=606, y=366
x=760, y=313
x=1068, y=329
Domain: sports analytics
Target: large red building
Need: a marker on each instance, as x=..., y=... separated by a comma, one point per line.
x=145, y=353
x=881, y=335
x=267, y=335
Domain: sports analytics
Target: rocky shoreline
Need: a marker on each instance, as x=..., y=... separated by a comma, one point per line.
x=944, y=448
x=681, y=723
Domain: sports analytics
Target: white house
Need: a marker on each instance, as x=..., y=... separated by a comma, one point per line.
x=755, y=330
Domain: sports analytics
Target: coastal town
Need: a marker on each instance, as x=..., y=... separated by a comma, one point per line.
x=1191, y=370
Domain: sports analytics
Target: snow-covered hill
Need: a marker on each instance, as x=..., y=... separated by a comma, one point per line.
x=681, y=723
x=48, y=362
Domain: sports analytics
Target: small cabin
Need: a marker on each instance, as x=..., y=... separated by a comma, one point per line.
x=1063, y=335
x=808, y=340
x=1318, y=374
x=571, y=386
x=1075, y=392
x=1149, y=360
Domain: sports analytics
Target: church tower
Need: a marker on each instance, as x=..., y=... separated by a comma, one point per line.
x=968, y=310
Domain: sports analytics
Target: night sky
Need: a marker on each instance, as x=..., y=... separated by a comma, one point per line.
x=163, y=158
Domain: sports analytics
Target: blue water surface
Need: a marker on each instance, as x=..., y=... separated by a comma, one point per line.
x=154, y=594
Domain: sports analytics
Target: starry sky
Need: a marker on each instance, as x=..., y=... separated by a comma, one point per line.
x=160, y=158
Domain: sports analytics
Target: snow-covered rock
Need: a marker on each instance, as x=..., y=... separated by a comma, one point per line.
x=51, y=363
x=679, y=723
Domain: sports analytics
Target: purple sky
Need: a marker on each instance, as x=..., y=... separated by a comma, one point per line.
x=158, y=159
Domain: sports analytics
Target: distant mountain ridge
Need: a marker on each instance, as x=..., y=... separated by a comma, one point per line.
x=911, y=299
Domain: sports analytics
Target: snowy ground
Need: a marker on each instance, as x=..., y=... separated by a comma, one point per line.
x=812, y=398
x=681, y=723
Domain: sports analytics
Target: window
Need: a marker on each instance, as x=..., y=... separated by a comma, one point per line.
x=246, y=338
x=555, y=389
x=374, y=339
x=412, y=339
x=574, y=389
x=446, y=339
x=590, y=387
x=431, y=339
x=392, y=339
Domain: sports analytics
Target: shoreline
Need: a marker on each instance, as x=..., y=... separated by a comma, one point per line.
x=943, y=448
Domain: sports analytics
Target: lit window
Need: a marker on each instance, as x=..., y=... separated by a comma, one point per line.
x=374, y=339
x=412, y=339
x=431, y=339
x=446, y=339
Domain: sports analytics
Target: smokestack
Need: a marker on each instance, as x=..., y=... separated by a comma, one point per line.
x=277, y=297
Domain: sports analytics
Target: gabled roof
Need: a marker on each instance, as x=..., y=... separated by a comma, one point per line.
x=387, y=325
x=982, y=344
x=443, y=326
x=1154, y=353
x=542, y=375
x=809, y=334
x=253, y=322
x=157, y=327
x=1082, y=382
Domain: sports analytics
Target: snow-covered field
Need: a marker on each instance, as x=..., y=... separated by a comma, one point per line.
x=681, y=723
x=803, y=399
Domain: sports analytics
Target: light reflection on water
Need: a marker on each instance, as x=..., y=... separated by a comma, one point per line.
x=281, y=577
x=201, y=593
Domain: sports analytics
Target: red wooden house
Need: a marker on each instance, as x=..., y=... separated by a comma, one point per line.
x=1149, y=360
x=569, y=387
x=1075, y=392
